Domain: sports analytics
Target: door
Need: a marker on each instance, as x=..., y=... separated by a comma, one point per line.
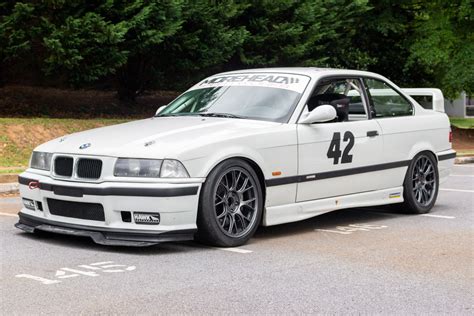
x=402, y=130
x=337, y=158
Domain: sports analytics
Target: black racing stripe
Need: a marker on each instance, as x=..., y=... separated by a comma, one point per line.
x=447, y=156
x=281, y=181
x=336, y=173
x=80, y=191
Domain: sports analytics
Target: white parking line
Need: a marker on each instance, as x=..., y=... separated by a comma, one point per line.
x=238, y=250
x=464, y=166
x=457, y=190
x=462, y=175
x=438, y=216
x=8, y=214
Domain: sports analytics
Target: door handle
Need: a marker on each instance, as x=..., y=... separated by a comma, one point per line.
x=372, y=133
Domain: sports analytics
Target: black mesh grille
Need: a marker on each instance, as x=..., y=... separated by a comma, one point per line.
x=63, y=166
x=91, y=211
x=89, y=168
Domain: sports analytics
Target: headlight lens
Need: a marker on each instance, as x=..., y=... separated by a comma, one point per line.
x=173, y=169
x=152, y=168
x=125, y=167
x=41, y=160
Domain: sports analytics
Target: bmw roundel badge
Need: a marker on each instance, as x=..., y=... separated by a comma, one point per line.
x=84, y=146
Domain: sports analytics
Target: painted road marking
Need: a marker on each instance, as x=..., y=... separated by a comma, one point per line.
x=462, y=175
x=101, y=263
x=8, y=214
x=463, y=166
x=67, y=273
x=349, y=229
x=238, y=250
x=438, y=216
x=457, y=190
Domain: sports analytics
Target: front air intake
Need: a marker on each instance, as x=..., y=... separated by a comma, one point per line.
x=89, y=211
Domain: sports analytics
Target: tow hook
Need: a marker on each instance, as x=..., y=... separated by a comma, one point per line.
x=33, y=185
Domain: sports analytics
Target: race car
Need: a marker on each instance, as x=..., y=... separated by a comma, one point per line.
x=238, y=150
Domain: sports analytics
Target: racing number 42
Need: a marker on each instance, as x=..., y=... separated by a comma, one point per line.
x=334, y=150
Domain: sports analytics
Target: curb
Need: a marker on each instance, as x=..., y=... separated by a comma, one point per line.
x=9, y=187
x=464, y=160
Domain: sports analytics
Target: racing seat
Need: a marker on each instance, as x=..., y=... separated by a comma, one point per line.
x=339, y=101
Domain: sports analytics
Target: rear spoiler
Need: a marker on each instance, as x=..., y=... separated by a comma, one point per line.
x=437, y=98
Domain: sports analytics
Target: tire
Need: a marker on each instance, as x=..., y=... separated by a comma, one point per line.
x=420, y=189
x=230, y=206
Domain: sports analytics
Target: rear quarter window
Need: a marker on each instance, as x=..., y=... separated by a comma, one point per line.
x=385, y=101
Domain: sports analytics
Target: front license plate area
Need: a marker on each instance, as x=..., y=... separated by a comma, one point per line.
x=146, y=218
x=60, y=190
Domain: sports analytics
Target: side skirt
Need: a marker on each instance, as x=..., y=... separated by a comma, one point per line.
x=281, y=214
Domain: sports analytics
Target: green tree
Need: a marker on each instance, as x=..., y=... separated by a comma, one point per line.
x=384, y=34
x=443, y=44
x=135, y=42
x=300, y=33
x=206, y=40
x=138, y=44
x=62, y=40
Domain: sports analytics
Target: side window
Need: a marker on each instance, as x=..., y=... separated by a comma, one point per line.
x=345, y=95
x=385, y=101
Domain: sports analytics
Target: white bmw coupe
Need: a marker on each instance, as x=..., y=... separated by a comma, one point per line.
x=238, y=150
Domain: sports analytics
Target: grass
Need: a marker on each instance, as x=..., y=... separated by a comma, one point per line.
x=19, y=136
x=465, y=123
x=465, y=153
x=12, y=170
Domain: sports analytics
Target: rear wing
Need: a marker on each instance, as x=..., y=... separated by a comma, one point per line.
x=429, y=98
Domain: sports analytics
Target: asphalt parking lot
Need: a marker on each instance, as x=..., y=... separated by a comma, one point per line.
x=351, y=261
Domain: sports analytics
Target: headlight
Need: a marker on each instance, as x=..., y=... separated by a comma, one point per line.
x=125, y=167
x=41, y=160
x=152, y=168
x=173, y=169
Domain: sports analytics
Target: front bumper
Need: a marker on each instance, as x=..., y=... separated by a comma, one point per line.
x=176, y=203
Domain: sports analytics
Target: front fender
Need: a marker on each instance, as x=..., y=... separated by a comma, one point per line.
x=201, y=167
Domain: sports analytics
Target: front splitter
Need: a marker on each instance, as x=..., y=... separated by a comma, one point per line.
x=109, y=236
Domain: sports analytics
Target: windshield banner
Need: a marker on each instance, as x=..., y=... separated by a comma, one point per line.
x=292, y=82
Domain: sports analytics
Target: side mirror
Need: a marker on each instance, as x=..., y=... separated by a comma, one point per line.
x=161, y=108
x=322, y=113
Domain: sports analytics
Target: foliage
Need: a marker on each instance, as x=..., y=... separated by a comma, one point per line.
x=306, y=33
x=384, y=35
x=444, y=44
x=207, y=39
x=140, y=44
x=460, y=122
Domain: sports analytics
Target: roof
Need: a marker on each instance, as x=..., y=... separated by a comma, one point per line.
x=308, y=71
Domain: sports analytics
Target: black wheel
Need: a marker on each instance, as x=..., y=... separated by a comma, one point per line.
x=420, y=188
x=231, y=205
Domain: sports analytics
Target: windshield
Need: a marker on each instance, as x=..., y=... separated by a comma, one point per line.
x=269, y=97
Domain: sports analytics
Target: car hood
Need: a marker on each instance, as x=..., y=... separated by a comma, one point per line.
x=158, y=137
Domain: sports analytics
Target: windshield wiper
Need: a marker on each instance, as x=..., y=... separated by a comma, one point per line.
x=226, y=115
x=176, y=114
x=211, y=114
